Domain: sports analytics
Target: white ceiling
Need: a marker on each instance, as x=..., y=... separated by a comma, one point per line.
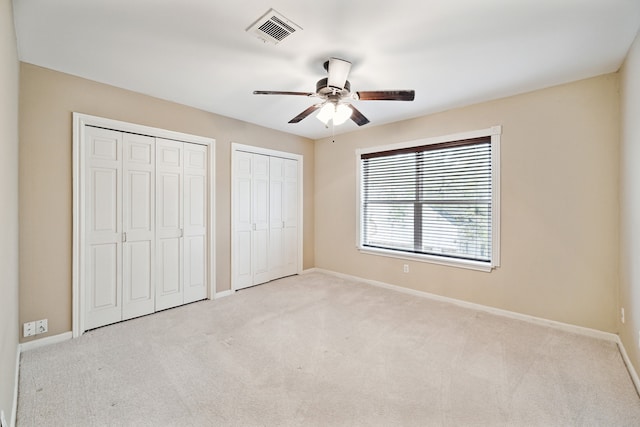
x=452, y=52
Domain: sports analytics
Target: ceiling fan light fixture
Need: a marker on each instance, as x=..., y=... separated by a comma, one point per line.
x=326, y=113
x=342, y=114
x=339, y=113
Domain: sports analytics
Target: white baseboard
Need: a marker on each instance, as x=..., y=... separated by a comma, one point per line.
x=630, y=368
x=25, y=347
x=16, y=381
x=223, y=294
x=474, y=306
x=54, y=339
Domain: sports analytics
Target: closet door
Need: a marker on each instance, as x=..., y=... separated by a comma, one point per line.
x=169, y=230
x=276, y=217
x=260, y=218
x=251, y=219
x=138, y=290
x=265, y=218
x=290, y=204
x=242, y=220
x=102, y=194
x=195, y=222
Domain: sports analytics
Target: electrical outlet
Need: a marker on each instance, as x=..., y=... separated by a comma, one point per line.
x=42, y=326
x=622, y=314
x=405, y=268
x=29, y=329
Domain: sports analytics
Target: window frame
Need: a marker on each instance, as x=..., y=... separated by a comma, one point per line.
x=494, y=133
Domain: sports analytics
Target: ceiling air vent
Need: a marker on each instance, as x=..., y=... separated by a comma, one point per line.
x=272, y=27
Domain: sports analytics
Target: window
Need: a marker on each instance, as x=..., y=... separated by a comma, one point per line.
x=434, y=200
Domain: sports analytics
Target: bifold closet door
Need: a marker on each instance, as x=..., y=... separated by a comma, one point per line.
x=138, y=222
x=195, y=222
x=144, y=210
x=181, y=215
x=260, y=218
x=265, y=218
x=102, y=194
x=290, y=217
x=242, y=256
x=251, y=222
x=276, y=217
x=169, y=231
x=119, y=220
x=283, y=217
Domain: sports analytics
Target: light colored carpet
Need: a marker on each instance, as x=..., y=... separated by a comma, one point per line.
x=315, y=350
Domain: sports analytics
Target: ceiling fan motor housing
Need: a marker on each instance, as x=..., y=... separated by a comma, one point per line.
x=323, y=88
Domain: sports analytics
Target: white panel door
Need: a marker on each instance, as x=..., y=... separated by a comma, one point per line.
x=260, y=218
x=290, y=206
x=242, y=220
x=265, y=218
x=195, y=222
x=169, y=230
x=138, y=291
x=276, y=219
x=103, y=227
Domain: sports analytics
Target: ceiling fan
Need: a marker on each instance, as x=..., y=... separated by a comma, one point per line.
x=336, y=96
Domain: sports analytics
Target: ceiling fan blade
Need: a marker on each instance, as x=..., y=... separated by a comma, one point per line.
x=358, y=117
x=305, y=113
x=387, y=95
x=281, y=92
x=338, y=72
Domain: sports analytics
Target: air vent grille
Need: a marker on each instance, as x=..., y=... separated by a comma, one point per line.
x=272, y=27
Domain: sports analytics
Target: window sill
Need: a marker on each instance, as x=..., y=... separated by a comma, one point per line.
x=432, y=259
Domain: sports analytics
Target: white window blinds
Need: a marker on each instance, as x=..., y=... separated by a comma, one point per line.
x=431, y=199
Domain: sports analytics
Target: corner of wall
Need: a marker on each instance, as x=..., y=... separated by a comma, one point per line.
x=629, y=202
x=9, y=106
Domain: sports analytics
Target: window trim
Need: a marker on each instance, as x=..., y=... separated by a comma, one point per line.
x=494, y=133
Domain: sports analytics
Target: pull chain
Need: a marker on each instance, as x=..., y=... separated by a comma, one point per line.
x=333, y=132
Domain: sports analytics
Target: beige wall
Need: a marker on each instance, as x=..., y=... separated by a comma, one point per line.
x=629, y=297
x=9, y=328
x=559, y=216
x=47, y=100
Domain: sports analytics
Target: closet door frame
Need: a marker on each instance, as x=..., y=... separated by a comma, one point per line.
x=80, y=122
x=235, y=148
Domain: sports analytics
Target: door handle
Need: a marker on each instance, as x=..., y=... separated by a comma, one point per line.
x=182, y=232
x=124, y=237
